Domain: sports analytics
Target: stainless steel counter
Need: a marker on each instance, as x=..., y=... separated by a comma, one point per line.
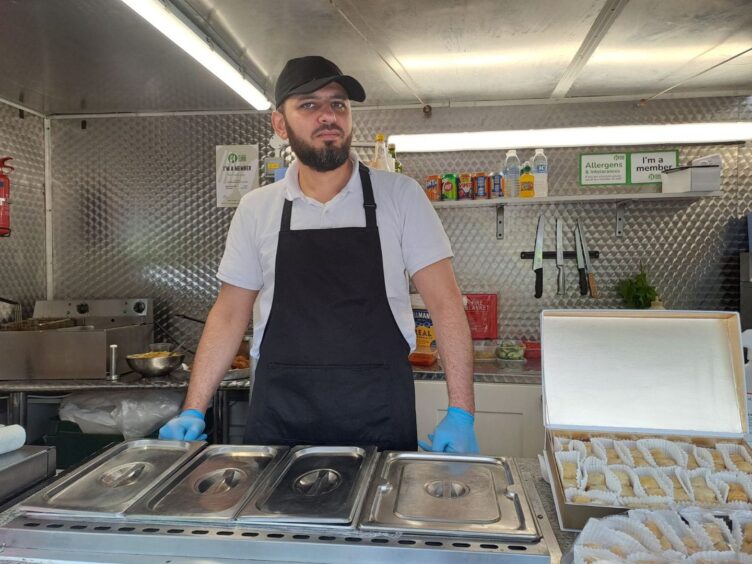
x=493, y=372
x=17, y=550
x=497, y=372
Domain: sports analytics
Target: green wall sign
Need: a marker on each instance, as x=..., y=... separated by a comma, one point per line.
x=644, y=167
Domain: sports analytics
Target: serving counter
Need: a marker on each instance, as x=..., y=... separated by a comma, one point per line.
x=27, y=537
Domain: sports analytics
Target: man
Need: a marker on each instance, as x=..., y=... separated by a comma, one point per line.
x=327, y=251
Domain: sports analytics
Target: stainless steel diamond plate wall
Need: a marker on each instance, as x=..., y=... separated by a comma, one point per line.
x=135, y=210
x=22, y=268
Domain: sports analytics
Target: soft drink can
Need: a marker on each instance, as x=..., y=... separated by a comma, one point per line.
x=433, y=187
x=465, y=187
x=480, y=184
x=497, y=185
x=449, y=185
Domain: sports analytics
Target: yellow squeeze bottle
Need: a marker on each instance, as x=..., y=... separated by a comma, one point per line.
x=527, y=182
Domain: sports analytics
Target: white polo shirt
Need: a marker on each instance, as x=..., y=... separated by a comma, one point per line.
x=411, y=235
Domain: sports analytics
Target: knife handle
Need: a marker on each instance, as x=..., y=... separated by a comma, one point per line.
x=593, y=287
x=538, y=282
x=560, y=282
x=583, y=282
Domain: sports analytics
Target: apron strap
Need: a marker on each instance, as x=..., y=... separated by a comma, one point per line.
x=369, y=203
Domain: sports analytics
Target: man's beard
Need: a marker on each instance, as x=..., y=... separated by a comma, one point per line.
x=328, y=158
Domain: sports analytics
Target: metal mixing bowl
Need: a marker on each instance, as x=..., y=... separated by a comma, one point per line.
x=157, y=366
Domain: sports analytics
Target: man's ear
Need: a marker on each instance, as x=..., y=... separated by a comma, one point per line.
x=278, y=123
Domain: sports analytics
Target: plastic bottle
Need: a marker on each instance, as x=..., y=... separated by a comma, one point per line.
x=540, y=171
x=512, y=175
x=527, y=181
x=396, y=165
x=381, y=159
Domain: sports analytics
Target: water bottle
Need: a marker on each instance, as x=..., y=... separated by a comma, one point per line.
x=540, y=171
x=512, y=175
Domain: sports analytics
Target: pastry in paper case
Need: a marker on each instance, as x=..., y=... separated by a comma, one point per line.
x=667, y=537
x=709, y=529
x=630, y=483
x=739, y=486
x=568, y=464
x=735, y=456
x=682, y=490
x=637, y=530
x=605, y=449
x=596, y=476
x=706, y=490
x=662, y=452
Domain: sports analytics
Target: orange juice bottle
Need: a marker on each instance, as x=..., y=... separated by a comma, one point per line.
x=527, y=182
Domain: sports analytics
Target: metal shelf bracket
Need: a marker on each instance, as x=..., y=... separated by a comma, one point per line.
x=619, y=224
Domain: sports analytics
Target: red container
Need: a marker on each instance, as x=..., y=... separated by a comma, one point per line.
x=532, y=349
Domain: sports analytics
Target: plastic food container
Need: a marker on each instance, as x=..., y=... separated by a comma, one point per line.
x=423, y=358
x=532, y=349
x=511, y=350
x=485, y=349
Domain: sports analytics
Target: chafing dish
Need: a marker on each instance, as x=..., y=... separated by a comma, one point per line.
x=448, y=494
x=212, y=486
x=110, y=483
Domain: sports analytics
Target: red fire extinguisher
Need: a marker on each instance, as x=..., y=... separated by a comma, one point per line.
x=5, y=196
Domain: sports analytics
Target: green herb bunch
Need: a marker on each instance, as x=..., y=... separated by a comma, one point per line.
x=637, y=292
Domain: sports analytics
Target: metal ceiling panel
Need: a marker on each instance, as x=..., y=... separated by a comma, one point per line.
x=269, y=32
x=98, y=56
x=442, y=50
x=655, y=45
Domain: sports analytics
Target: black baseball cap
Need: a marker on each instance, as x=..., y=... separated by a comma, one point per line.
x=307, y=74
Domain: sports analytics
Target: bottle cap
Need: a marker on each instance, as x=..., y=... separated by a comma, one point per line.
x=511, y=152
x=539, y=151
x=379, y=137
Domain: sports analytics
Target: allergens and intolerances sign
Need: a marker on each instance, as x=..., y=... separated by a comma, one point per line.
x=237, y=173
x=603, y=168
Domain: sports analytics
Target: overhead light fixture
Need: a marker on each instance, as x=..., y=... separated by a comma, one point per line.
x=681, y=133
x=163, y=16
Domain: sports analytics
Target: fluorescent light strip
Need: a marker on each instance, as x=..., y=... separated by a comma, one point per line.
x=682, y=133
x=160, y=16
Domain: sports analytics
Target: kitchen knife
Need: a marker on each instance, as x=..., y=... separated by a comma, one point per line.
x=538, y=258
x=588, y=264
x=580, y=261
x=560, y=281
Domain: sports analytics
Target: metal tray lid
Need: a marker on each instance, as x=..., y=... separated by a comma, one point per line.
x=448, y=494
x=108, y=484
x=213, y=485
x=649, y=371
x=313, y=485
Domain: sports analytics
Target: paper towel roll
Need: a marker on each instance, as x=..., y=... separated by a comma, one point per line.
x=12, y=437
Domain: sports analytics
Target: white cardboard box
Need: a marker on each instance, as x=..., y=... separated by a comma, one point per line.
x=647, y=373
x=703, y=178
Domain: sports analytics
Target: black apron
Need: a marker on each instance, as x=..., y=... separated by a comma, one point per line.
x=333, y=366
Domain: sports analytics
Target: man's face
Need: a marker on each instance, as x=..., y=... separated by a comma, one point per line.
x=318, y=126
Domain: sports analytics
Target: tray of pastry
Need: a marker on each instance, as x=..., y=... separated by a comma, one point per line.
x=644, y=409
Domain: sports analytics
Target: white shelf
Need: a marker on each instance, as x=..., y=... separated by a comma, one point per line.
x=576, y=198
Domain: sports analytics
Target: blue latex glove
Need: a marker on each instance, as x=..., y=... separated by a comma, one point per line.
x=187, y=426
x=455, y=433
